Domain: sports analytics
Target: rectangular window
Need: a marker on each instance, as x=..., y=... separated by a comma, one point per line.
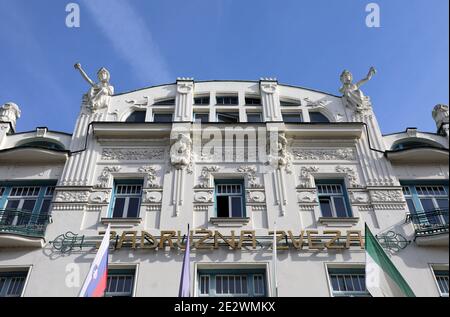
x=254, y=117
x=348, y=282
x=228, y=117
x=442, y=281
x=120, y=283
x=227, y=100
x=332, y=199
x=127, y=199
x=317, y=117
x=230, y=199
x=292, y=117
x=289, y=103
x=165, y=102
x=202, y=117
x=201, y=100
x=12, y=283
x=162, y=117
x=232, y=283
x=428, y=204
x=252, y=101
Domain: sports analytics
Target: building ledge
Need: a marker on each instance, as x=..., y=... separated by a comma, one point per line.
x=339, y=222
x=121, y=222
x=419, y=155
x=337, y=130
x=128, y=130
x=33, y=155
x=10, y=240
x=230, y=222
x=439, y=238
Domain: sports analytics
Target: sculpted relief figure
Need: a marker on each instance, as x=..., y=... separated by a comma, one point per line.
x=180, y=152
x=283, y=157
x=100, y=93
x=352, y=92
x=9, y=112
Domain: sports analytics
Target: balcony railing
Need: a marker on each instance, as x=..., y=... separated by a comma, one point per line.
x=23, y=223
x=430, y=222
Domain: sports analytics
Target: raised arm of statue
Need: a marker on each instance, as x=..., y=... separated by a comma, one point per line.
x=83, y=73
x=372, y=71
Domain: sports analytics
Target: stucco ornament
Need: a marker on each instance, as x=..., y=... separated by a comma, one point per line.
x=205, y=176
x=353, y=95
x=10, y=112
x=306, y=177
x=103, y=178
x=283, y=157
x=151, y=176
x=250, y=171
x=440, y=115
x=100, y=93
x=181, y=152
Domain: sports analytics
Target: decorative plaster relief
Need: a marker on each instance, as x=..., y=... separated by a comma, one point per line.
x=350, y=175
x=151, y=176
x=72, y=196
x=104, y=176
x=305, y=176
x=250, y=171
x=359, y=197
x=387, y=196
x=255, y=196
x=203, y=197
x=345, y=154
x=127, y=154
x=205, y=176
x=99, y=197
x=152, y=197
x=307, y=196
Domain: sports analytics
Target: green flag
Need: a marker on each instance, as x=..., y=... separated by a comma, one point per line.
x=382, y=277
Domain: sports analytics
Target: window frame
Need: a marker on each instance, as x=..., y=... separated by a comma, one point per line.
x=255, y=114
x=15, y=272
x=343, y=194
x=165, y=102
x=115, y=195
x=230, y=182
x=225, y=113
x=324, y=116
x=345, y=272
x=252, y=101
x=201, y=113
x=117, y=272
x=439, y=272
x=202, y=98
x=134, y=112
x=292, y=114
x=235, y=98
x=156, y=113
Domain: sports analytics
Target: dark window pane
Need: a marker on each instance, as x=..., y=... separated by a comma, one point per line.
x=133, y=208
x=318, y=117
x=118, y=208
x=166, y=102
x=228, y=117
x=201, y=101
x=162, y=117
x=227, y=100
x=223, y=207
x=292, y=118
x=411, y=207
x=252, y=101
x=12, y=204
x=28, y=205
x=137, y=116
x=45, y=207
x=325, y=207
x=202, y=117
x=254, y=118
x=218, y=284
x=339, y=204
x=236, y=207
x=334, y=282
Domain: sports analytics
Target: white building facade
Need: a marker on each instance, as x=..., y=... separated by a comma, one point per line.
x=234, y=160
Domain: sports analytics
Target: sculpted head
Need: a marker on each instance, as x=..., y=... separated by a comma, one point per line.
x=346, y=77
x=103, y=75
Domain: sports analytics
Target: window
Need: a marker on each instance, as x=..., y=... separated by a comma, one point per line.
x=162, y=117
x=43, y=144
x=127, y=199
x=406, y=145
x=332, y=199
x=254, y=117
x=137, y=116
x=290, y=103
x=26, y=208
x=230, y=199
x=12, y=283
x=318, y=117
x=348, y=282
x=201, y=100
x=252, y=101
x=429, y=203
x=165, y=102
x=228, y=117
x=292, y=117
x=202, y=117
x=227, y=100
x=232, y=283
x=120, y=283
x=442, y=281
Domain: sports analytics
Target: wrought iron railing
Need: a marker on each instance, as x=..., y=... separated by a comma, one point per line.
x=429, y=222
x=23, y=223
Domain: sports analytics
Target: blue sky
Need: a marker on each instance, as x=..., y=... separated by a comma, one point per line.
x=306, y=43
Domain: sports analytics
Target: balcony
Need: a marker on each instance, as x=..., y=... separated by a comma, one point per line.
x=22, y=229
x=431, y=227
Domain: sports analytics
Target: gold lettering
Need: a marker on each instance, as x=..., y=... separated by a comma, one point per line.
x=166, y=236
x=311, y=240
x=125, y=237
x=298, y=244
x=200, y=243
x=147, y=236
x=231, y=243
x=112, y=236
x=354, y=235
x=331, y=244
x=247, y=235
x=280, y=236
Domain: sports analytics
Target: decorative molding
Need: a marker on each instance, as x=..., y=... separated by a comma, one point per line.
x=269, y=87
x=387, y=196
x=339, y=221
x=250, y=171
x=308, y=196
x=205, y=176
x=181, y=156
x=255, y=196
x=283, y=156
x=127, y=154
x=306, y=208
x=72, y=196
x=259, y=207
x=99, y=197
x=154, y=207
x=345, y=154
x=351, y=175
x=201, y=207
x=185, y=87
x=229, y=222
x=392, y=206
x=105, y=174
x=359, y=197
x=204, y=196
x=152, y=197
x=306, y=177
x=151, y=176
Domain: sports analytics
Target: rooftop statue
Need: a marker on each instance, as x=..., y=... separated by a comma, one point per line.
x=9, y=112
x=99, y=94
x=352, y=92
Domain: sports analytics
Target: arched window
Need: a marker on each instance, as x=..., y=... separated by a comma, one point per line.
x=137, y=116
x=413, y=144
x=43, y=144
x=318, y=117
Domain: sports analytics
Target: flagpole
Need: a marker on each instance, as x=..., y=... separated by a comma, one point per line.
x=274, y=260
x=185, y=281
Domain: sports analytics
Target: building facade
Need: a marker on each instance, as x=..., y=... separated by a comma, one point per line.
x=236, y=160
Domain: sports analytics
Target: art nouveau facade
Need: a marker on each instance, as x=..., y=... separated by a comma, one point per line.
x=312, y=164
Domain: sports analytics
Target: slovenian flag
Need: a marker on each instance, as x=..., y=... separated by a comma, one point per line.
x=382, y=277
x=185, y=281
x=95, y=283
